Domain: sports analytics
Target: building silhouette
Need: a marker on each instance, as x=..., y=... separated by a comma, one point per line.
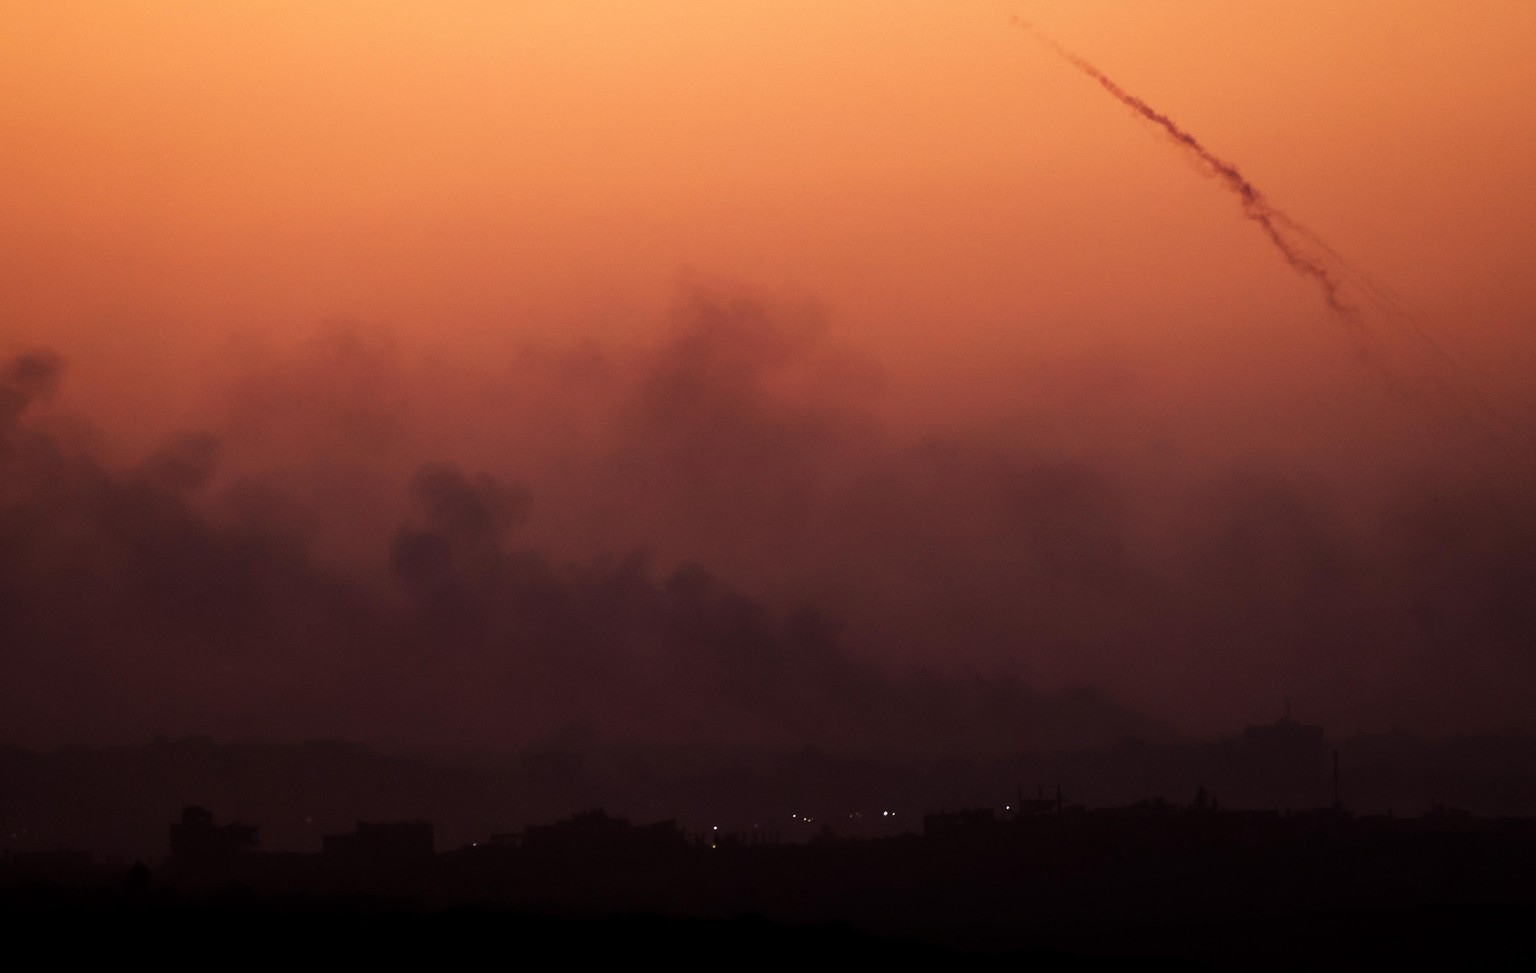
x=197, y=840
x=976, y=822
x=381, y=843
x=596, y=834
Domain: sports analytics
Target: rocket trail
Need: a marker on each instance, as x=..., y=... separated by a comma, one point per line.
x=1255, y=207
x=1306, y=253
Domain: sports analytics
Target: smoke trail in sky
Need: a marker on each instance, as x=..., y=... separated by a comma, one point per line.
x=1307, y=254
x=1273, y=222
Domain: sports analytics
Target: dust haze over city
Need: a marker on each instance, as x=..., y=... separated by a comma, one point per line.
x=854, y=375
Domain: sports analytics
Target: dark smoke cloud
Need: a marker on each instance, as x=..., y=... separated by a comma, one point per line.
x=1209, y=589
x=26, y=378
x=129, y=606
x=715, y=537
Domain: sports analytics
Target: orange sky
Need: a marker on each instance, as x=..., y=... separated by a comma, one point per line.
x=190, y=187
x=461, y=172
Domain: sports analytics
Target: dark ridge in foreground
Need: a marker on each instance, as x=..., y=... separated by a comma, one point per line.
x=1197, y=884
x=238, y=923
x=372, y=927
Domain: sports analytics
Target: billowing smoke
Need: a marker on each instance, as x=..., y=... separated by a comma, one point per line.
x=132, y=604
x=710, y=536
